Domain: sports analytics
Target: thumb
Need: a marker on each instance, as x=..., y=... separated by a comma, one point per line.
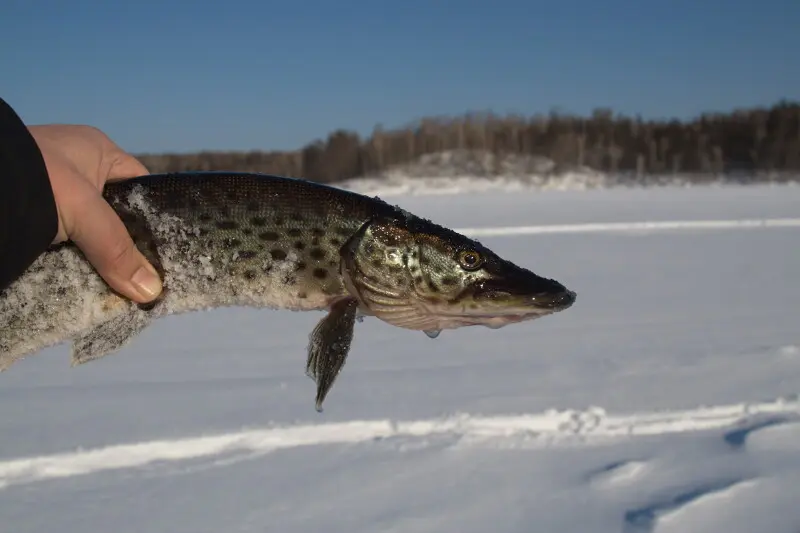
x=126, y=166
x=105, y=242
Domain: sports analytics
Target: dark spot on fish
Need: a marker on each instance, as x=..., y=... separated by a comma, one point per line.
x=202, y=232
x=449, y=281
x=128, y=218
x=267, y=268
x=227, y=224
x=335, y=241
x=204, y=217
x=320, y=273
x=278, y=254
x=279, y=220
x=418, y=279
x=148, y=306
x=247, y=231
x=210, y=243
x=328, y=289
x=269, y=236
x=247, y=254
x=294, y=232
x=300, y=266
x=317, y=253
x=302, y=295
x=315, y=241
x=319, y=232
x=207, y=192
x=258, y=221
x=253, y=206
x=61, y=291
x=400, y=280
x=432, y=286
x=377, y=263
x=250, y=274
x=299, y=245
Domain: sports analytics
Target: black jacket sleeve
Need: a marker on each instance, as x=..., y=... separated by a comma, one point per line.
x=28, y=215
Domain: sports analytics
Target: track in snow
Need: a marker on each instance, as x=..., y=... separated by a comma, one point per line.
x=635, y=227
x=571, y=427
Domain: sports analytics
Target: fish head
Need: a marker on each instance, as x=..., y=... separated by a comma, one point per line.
x=412, y=273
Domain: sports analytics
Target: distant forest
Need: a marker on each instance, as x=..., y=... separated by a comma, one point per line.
x=753, y=143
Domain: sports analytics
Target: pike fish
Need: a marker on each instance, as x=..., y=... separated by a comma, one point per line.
x=243, y=239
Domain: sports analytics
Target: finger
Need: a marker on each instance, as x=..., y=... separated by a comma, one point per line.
x=126, y=166
x=105, y=241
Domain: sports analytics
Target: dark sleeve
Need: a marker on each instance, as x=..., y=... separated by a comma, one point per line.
x=28, y=216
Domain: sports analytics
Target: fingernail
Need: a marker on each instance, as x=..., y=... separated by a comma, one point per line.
x=147, y=282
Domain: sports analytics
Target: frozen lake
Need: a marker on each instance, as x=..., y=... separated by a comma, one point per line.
x=664, y=400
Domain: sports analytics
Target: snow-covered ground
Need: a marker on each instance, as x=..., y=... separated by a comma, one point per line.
x=664, y=400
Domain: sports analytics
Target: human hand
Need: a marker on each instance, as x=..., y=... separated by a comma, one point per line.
x=79, y=160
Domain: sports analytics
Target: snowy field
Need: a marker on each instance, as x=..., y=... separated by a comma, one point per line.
x=664, y=400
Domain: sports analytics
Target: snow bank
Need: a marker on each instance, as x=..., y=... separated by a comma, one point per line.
x=463, y=171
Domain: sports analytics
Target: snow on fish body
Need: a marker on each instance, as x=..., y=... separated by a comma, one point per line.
x=240, y=239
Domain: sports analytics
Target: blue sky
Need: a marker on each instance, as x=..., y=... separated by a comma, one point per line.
x=180, y=76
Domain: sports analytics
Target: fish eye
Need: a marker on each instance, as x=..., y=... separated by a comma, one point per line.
x=470, y=259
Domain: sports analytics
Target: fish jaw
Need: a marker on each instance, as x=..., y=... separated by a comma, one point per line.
x=505, y=294
x=433, y=314
x=443, y=317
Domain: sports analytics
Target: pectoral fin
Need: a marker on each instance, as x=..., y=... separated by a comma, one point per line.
x=108, y=337
x=329, y=345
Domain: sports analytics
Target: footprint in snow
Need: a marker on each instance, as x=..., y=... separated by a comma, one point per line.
x=618, y=474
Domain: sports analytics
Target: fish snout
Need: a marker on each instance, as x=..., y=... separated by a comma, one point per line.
x=559, y=300
x=552, y=295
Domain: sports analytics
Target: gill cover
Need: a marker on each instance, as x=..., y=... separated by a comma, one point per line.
x=378, y=265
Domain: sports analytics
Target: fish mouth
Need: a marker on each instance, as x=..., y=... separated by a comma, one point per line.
x=497, y=303
x=538, y=303
x=522, y=295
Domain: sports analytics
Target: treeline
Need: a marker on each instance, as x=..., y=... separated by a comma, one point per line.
x=750, y=142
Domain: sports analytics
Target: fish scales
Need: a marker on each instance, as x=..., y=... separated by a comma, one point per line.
x=216, y=239
x=279, y=237
x=238, y=239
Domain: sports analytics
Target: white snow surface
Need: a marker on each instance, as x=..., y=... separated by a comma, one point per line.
x=664, y=400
